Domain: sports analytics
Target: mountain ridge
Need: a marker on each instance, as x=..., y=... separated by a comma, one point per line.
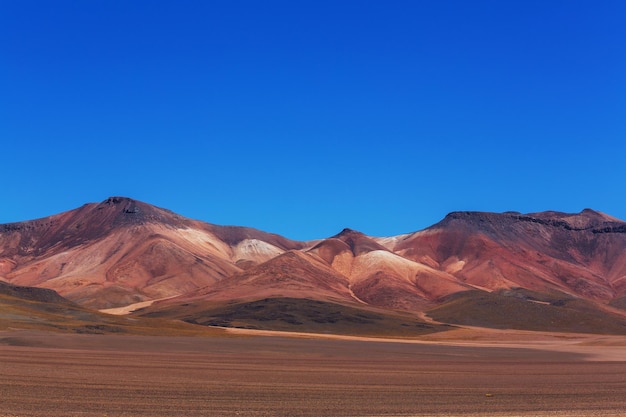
x=121, y=252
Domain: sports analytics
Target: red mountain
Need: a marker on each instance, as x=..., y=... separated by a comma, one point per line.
x=379, y=277
x=122, y=251
x=469, y=267
x=580, y=254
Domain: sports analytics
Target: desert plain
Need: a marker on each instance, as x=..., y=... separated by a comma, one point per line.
x=464, y=372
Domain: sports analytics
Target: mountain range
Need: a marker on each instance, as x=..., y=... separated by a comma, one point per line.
x=548, y=271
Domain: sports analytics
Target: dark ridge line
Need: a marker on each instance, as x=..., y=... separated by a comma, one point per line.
x=609, y=227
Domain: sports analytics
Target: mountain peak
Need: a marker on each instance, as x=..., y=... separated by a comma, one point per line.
x=599, y=215
x=118, y=201
x=127, y=205
x=125, y=211
x=358, y=242
x=348, y=232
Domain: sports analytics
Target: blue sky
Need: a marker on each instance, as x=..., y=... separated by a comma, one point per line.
x=305, y=117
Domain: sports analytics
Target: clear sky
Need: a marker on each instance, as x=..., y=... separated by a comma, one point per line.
x=305, y=117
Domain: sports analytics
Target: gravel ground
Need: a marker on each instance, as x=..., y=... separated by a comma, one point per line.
x=79, y=375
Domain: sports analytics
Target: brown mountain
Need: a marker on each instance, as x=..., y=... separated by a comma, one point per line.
x=122, y=251
x=580, y=254
x=382, y=278
x=485, y=269
x=291, y=274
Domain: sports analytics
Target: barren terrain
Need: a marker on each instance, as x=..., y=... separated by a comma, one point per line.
x=482, y=314
x=547, y=271
x=460, y=373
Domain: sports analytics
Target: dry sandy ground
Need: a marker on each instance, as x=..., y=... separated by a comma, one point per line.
x=462, y=374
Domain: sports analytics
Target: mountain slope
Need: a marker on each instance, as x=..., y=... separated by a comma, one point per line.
x=580, y=254
x=43, y=309
x=291, y=274
x=382, y=278
x=295, y=314
x=526, y=310
x=123, y=252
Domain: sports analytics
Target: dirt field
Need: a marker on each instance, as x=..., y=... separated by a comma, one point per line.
x=87, y=375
